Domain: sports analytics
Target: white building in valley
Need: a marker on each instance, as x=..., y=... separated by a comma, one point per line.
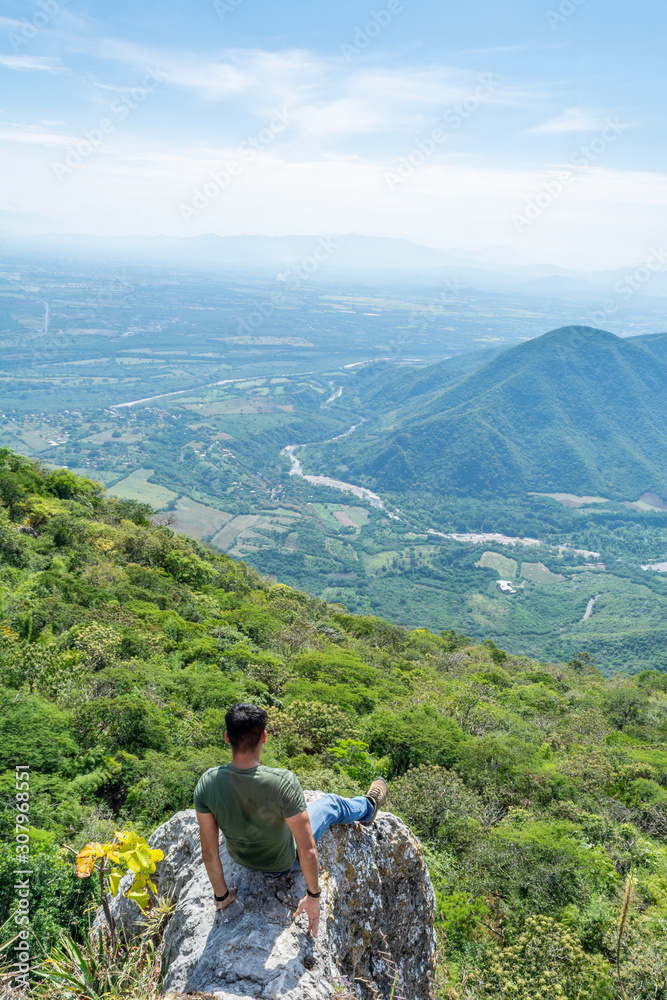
x=506, y=587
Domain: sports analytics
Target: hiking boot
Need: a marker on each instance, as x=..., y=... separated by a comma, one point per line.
x=377, y=796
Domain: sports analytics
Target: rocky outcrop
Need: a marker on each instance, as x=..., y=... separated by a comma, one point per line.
x=377, y=919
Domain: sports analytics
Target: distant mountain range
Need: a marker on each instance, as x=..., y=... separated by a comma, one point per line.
x=577, y=410
x=346, y=257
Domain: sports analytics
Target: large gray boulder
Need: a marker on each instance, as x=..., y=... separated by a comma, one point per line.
x=376, y=928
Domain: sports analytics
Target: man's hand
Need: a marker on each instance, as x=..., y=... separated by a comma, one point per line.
x=311, y=907
x=307, y=851
x=228, y=902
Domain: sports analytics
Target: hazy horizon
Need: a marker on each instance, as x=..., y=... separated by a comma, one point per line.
x=471, y=126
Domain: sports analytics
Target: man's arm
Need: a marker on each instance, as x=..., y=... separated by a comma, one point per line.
x=310, y=866
x=210, y=852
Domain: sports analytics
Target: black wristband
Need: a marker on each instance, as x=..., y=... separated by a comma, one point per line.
x=313, y=895
x=221, y=899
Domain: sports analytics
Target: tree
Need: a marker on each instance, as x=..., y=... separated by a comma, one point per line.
x=625, y=705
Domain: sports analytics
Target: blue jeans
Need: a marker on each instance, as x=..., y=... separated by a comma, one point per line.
x=332, y=809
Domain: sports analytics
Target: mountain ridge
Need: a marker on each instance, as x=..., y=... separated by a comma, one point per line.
x=575, y=410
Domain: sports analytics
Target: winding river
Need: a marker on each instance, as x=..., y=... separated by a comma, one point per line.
x=377, y=502
x=336, y=484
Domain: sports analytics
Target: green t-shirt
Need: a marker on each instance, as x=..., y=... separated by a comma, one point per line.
x=250, y=807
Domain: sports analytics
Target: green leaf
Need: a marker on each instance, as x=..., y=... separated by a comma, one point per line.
x=114, y=880
x=140, y=897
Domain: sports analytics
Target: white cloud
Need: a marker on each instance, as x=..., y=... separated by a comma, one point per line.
x=572, y=120
x=326, y=172
x=41, y=63
x=33, y=135
x=320, y=90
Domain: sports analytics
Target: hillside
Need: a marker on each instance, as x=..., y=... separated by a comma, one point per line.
x=381, y=387
x=656, y=343
x=536, y=788
x=575, y=410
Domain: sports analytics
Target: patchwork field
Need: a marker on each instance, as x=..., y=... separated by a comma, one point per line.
x=241, y=406
x=351, y=517
x=210, y=460
x=232, y=531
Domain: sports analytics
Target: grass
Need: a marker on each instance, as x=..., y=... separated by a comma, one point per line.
x=351, y=517
x=104, y=476
x=383, y=560
x=505, y=567
x=324, y=511
x=136, y=487
x=230, y=406
x=197, y=520
x=539, y=573
x=341, y=549
x=570, y=499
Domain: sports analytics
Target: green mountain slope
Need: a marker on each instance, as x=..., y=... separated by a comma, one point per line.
x=656, y=343
x=576, y=410
x=536, y=788
x=381, y=386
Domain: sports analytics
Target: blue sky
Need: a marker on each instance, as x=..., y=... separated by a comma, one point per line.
x=537, y=124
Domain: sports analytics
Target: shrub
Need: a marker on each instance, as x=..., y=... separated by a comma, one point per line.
x=438, y=805
x=58, y=899
x=99, y=643
x=413, y=737
x=458, y=917
x=35, y=734
x=547, y=960
x=353, y=758
x=165, y=784
x=310, y=727
x=124, y=723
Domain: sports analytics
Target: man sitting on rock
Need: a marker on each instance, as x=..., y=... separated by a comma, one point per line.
x=262, y=813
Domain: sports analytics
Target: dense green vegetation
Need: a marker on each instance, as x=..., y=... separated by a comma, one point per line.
x=539, y=790
x=211, y=460
x=575, y=410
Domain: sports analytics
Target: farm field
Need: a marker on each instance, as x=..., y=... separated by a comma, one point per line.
x=504, y=566
x=538, y=573
x=196, y=519
x=570, y=500
x=137, y=487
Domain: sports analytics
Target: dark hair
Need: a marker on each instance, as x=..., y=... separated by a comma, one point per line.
x=245, y=725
